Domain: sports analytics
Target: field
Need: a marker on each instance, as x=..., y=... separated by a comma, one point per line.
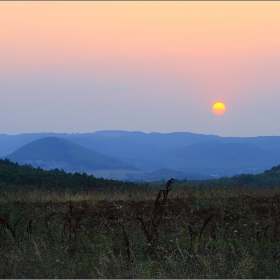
x=158, y=231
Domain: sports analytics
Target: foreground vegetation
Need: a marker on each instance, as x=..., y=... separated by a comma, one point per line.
x=149, y=232
x=55, y=224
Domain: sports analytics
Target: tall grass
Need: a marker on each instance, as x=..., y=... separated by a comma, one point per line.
x=156, y=232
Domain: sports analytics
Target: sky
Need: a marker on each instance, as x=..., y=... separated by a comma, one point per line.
x=80, y=67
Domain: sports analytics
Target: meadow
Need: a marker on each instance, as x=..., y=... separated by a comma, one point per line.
x=161, y=230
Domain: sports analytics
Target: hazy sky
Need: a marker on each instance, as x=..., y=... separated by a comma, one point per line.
x=145, y=66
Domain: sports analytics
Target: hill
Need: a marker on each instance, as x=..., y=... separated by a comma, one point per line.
x=15, y=176
x=214, y=157
x=178, y=151
x=54, y=152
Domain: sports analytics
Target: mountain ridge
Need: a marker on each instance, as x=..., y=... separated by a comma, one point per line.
x=155, y=151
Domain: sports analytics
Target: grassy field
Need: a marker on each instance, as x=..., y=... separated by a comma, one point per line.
x=155, y=232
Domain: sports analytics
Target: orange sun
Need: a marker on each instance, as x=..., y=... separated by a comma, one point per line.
x=219, y=108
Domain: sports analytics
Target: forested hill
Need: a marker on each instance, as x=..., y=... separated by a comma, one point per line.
x=268, y=179
x=13, y=175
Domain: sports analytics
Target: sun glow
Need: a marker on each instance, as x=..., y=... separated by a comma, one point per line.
x=219, y=108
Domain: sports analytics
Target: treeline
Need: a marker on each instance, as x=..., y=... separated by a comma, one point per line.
x=268, y=179
x=13, y=175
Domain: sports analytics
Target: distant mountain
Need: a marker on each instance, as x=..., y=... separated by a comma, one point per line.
x=178, y=151
x=54, y=152
x=233, y=158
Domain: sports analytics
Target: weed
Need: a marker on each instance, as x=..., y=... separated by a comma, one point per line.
x=6, y=225
x=156, y=219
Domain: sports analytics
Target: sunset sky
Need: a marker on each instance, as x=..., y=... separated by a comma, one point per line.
x=146, y=66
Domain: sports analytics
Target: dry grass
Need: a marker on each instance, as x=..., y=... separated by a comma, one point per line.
x=183, y=233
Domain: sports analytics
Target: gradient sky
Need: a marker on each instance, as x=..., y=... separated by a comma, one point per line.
x=80, y=67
